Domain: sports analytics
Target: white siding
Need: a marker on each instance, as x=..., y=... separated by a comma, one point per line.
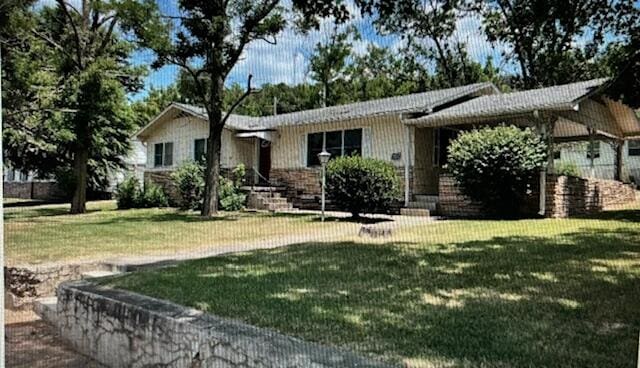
x=184, y=131
x=382, y=136
x=604, y=165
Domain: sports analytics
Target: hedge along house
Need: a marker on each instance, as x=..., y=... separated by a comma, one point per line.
x=281, y=150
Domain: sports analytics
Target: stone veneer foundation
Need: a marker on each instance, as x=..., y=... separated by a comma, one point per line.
x=123, y=329
x=565, y=197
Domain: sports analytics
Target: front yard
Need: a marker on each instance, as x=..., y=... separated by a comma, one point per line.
x=46, y=233
x=457, y=293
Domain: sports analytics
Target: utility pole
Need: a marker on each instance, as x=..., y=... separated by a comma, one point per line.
x=275, y=105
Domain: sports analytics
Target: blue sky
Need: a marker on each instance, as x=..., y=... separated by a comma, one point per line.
x=287, y=61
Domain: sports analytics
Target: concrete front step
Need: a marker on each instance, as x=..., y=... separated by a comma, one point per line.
x=426, y=198
x=263, y=189
x=431, y=206
x=46, y=309
x=283, y=207
x=422, y=212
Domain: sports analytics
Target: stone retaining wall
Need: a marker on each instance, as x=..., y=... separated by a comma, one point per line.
x=123, y=329
x=24, y=284
x=565, y=197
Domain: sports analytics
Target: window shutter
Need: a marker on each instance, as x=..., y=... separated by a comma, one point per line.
x=303, y=150
x=366, y=142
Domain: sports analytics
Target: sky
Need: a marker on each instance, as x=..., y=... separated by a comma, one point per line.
x=287, y=60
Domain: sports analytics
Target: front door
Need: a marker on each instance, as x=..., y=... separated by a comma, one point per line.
x=264, y=166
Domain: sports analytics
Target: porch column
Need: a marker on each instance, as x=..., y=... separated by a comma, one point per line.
x=545, y=129
x=407, y=162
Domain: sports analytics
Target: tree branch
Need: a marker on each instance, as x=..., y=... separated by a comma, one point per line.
x=247, y=30
x=54, y=44
x=107, y=37
x=246, y=94
x=63, y=5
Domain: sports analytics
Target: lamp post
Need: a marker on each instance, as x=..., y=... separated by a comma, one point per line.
x=324, y=157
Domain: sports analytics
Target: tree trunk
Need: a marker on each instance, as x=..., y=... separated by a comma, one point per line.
x=80, y=172
x=210, y=205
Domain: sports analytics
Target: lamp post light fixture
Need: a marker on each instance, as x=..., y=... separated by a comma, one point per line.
x=324, y=157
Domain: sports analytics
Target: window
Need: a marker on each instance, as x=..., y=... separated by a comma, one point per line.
x=557, y=154
x=24, y=176
x=353, y=142
x=595, y=148
x=163, y=154
x=337, y=143
x=634, y=148
x=200, y=150
x=10, y=175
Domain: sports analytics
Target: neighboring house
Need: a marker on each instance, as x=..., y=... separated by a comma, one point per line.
x=412, y=132
x=26, y=185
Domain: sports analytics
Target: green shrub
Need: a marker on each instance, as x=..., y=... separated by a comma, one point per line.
x=567, y=169
x=362, y=185
x=497, y=166
x=230, y=196
x=153, y=196
x=189, y=181
x=128, y=193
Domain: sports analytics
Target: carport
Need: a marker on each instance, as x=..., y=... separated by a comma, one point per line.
x=567, y=113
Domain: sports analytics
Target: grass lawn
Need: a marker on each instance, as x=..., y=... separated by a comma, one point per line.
x=47, y=233
x=529, y=293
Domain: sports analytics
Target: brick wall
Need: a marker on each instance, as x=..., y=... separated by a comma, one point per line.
x=163, y=179
x=565, y=197
x=45, y=190
x=571, y=196
x=453, y=203
x=304, y=190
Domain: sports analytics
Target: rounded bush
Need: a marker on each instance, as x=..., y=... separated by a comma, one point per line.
x=189, y=181
x=127, y=193
x=497, y=166
x=362, y=185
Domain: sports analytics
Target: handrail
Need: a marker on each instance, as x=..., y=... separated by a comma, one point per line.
x=269, y=183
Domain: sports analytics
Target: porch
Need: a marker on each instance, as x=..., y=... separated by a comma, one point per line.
x=570, y=113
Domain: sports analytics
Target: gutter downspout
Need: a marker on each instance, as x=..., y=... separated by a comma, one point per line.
x=407, y=162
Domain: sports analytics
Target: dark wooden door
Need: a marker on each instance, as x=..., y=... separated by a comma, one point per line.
x=264, y=166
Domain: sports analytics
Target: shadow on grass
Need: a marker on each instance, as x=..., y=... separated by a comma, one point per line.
x=626, y=215
x=32, y=212
x=566, y=301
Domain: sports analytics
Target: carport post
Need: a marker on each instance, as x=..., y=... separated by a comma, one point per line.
x=545, y=128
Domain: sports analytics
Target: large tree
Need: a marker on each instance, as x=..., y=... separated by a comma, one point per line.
x=329, y=61
x=207, y=38
x=428, y=28
x=557, y=41
x=70, y=75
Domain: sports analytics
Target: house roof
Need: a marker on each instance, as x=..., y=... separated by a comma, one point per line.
x=418, y=102
x=563, y=97
x=577, y=107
